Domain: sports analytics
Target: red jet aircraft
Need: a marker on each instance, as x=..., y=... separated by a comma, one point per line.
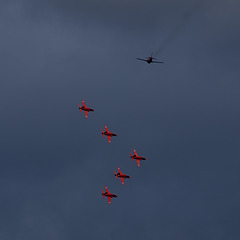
x=85, y=109
x=108, y=134
x=108, y=195
x=149, y=60
x=137, y=157
x=121, y=175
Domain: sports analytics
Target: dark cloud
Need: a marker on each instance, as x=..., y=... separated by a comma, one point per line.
x=183, y=116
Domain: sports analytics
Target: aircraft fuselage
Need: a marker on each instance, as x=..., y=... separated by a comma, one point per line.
x=87, y=109
x=109, y=134
x=149, y=60
x=110, y=195
x=138, y=157
x=122, y=175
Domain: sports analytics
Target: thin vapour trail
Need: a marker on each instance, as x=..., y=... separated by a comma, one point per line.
x=176, y=30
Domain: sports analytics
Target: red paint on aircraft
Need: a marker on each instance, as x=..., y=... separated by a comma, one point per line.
x=108, y=195
x=137, y=157
x=85, y=109
x=108, y=134
x=121, y=175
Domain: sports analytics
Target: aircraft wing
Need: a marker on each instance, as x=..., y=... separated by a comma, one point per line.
x=142, y=59
x=109, y=138
x=135, y=152
x=156, y=62
x=86, y=114
x=84, y=104
x=106, y=128
x=109, y=200
x=138, y=163
x=122, y=180
x=107, y=190
x=119, y=170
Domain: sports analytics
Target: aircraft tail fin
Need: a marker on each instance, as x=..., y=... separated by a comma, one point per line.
x=80, y=107
x=103, y=133
x=115, y=174
x=131, y=156
x=103, y=193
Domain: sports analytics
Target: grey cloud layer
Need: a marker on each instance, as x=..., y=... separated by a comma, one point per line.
x=183, y=116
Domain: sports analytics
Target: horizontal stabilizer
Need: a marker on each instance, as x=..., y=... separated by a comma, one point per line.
x=103, y=133
x=103, y=193
x=80, y=107
x=116, y=174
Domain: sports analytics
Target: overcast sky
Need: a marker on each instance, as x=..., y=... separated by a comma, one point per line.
x=183, y=116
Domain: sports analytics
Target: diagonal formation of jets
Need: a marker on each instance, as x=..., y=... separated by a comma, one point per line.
x=109, y=136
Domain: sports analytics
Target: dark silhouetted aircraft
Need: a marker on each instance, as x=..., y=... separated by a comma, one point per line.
x=85, y=109
x=108, y=195
x=108, y=134
x=149, y=60
x=121, y=175
x=137, y=157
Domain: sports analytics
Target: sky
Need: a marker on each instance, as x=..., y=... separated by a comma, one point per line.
x=183, y=116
